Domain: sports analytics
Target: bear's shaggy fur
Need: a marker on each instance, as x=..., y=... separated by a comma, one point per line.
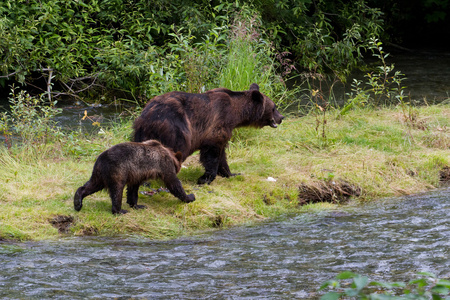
x=132, y=164
x=188, y=122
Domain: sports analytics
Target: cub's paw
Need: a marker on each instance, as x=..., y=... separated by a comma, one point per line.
x=77, y=201
x=190, y=198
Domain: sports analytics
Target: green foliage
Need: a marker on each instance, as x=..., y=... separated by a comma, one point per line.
x=199, y=62
x=333, y=43
x=382, y=87
x=8, y=232
x=427, y=286
x=31, y=118
x=138, y=49
x=384, y=84
x=250, y=57
x=358, y=97
x=110, y=43
x=5, y=128
x=248, y=54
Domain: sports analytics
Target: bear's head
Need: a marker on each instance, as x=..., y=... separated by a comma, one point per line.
x=270, y=115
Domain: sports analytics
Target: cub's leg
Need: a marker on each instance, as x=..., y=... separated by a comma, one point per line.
x=87, y=189
x=132, y=196
x=116, y=192
x=174, y=186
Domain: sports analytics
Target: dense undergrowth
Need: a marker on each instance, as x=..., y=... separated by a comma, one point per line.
x=134, y=50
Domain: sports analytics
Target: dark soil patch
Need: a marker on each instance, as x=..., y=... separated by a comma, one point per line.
x=218, y=221
x=62, y=223
x=338, y=191
x=89, y=230
x=444, y=175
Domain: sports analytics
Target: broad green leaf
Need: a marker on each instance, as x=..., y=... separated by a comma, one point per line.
x=346, y=275
x=443, y=282
x=440, y=290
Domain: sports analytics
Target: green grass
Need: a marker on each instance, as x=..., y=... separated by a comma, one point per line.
x=373, y=149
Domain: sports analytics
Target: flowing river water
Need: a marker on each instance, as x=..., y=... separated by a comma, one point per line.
x=390, y=239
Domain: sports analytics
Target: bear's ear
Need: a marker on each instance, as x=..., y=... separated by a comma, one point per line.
x=254, y=87
x=257, y=96
x=179, y=156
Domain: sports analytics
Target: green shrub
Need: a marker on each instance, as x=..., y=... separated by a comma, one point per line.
x=31, y=118
x=136, y=49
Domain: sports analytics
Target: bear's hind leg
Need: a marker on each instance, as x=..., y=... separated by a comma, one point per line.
x=132, y=196
x=116, y=193
x=83, y=191
x=174, y=186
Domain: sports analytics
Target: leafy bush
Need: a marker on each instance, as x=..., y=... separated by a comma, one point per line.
x=139, y=48
x=382, y=87
x=96, y=44
x=31, y=118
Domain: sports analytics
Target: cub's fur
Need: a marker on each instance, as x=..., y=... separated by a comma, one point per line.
x=132, y=164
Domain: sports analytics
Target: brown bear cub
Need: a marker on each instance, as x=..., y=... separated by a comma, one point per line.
x=132, y=164
x=188, y=122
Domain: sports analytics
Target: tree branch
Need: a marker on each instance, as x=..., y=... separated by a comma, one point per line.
x=9, y=75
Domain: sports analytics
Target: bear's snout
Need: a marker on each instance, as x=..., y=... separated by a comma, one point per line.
x=277, y=118
x=273, y=124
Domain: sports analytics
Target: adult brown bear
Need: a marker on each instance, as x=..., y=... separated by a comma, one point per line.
x=188, y=122
x=131, y=164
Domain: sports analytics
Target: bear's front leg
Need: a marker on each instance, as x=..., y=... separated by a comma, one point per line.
x=174, y=186
x=209, y=157
x=224, y=169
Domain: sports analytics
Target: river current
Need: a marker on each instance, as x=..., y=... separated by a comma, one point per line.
x=387, y=240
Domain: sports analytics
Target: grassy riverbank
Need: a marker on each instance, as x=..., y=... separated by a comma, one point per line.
x=373, y=153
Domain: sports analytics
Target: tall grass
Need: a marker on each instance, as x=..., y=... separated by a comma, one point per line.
x=251, y=59
x=248, y=56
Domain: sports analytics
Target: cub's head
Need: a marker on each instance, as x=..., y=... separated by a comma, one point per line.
x=270, y=115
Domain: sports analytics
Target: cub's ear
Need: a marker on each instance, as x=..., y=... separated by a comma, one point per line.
x=257, y=96
x=254, y=87
x=179, y=156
